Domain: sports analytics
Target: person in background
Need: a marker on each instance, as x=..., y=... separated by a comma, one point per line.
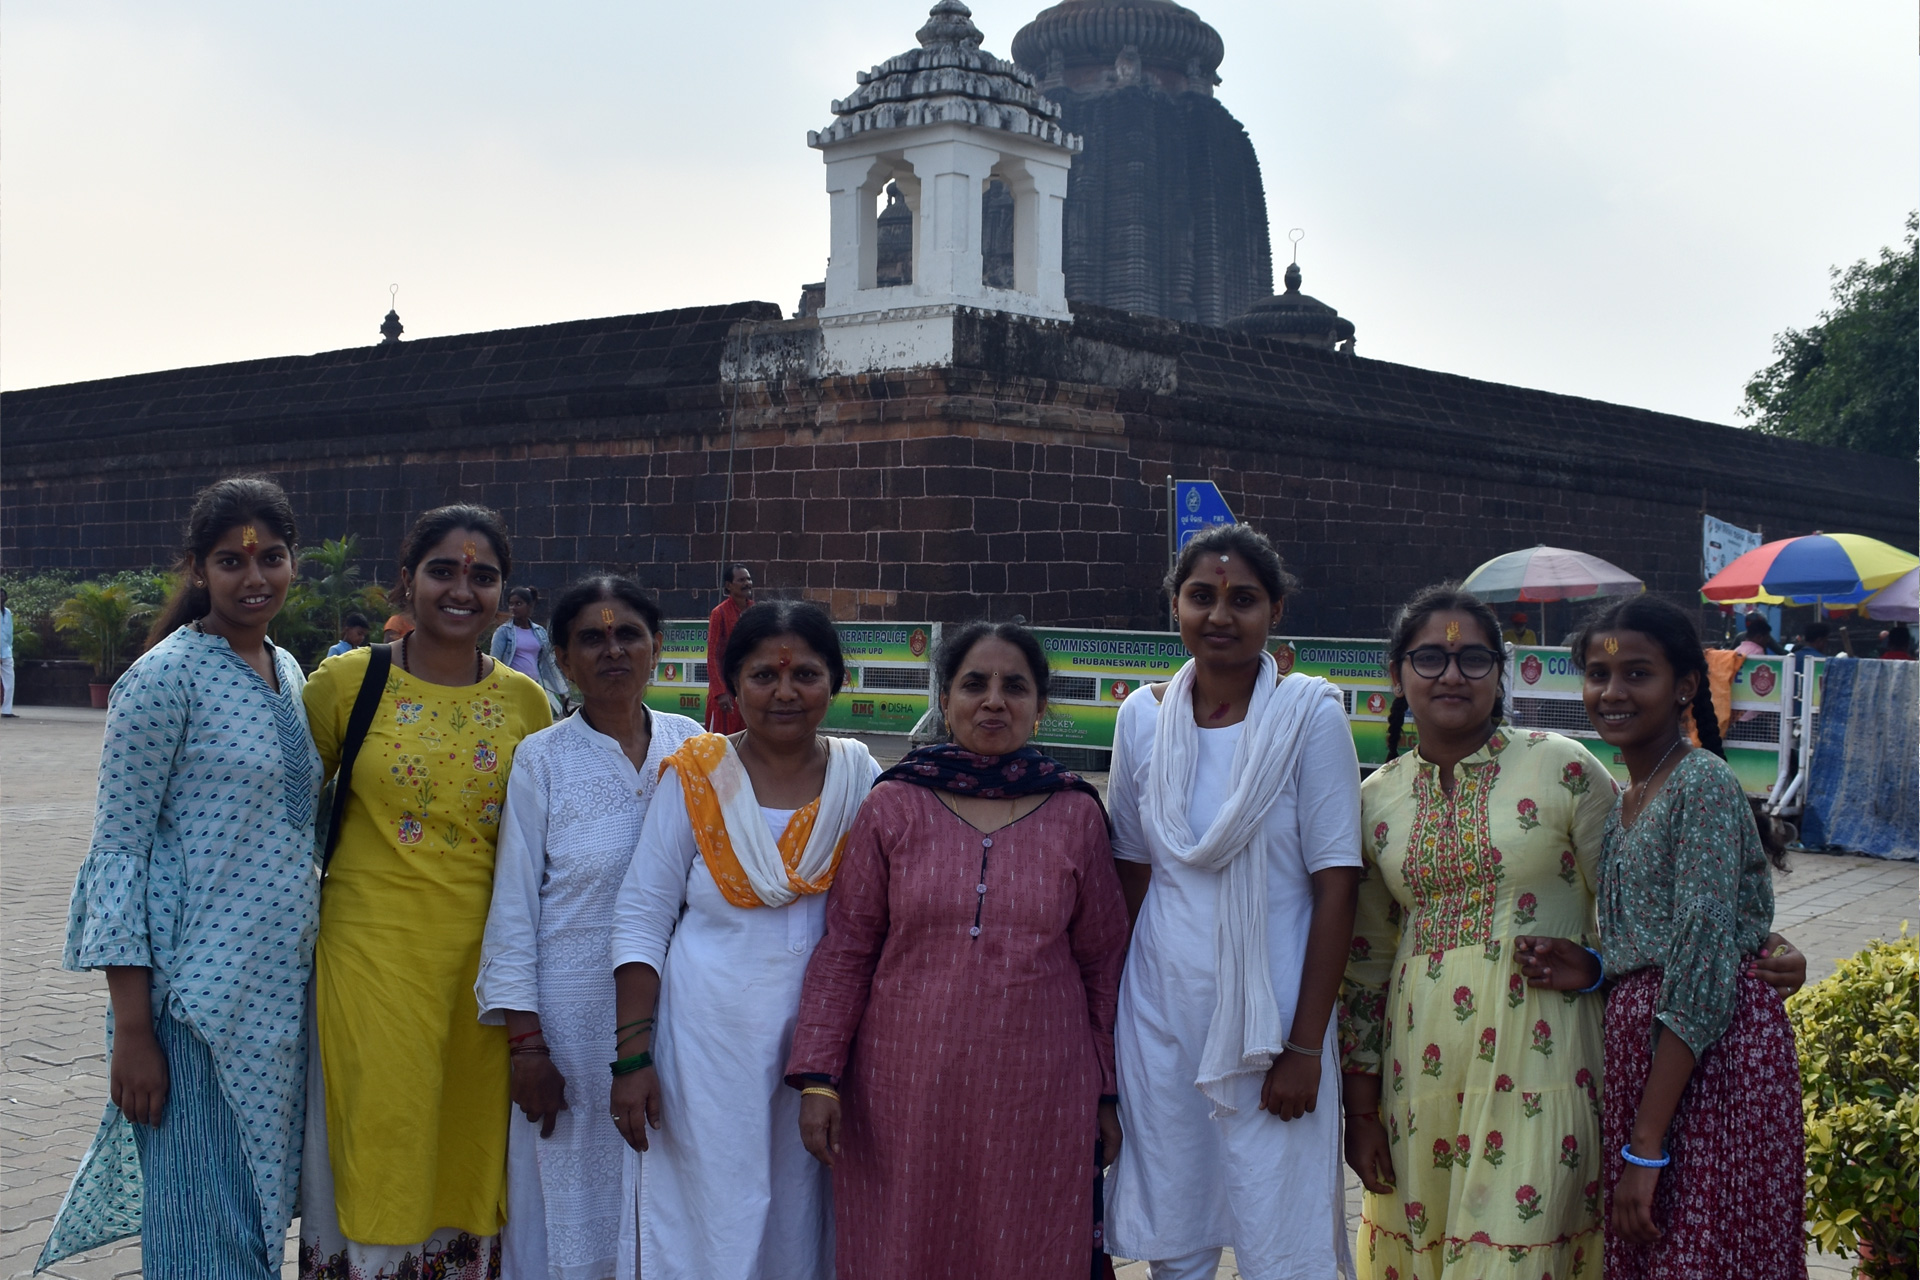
x=1759, y=637
x=1236, y=817
x=353, y=634
x=199, y=900
x=975, y=934
x=1518, y=632
x=1899, y=648
x=525, y=645
x=405, y=1158
x=1701, y=1125
x=724, y=903
x=6, y=657
x=1818, y=638
x=396, y=627
x=575, y=804
x=723, y=715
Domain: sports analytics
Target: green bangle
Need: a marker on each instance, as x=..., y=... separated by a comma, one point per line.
x=635, y=1036
x=637, y=1022
x=627, y=1066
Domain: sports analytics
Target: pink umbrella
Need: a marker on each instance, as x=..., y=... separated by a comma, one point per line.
x=1550, y=573
x=1898, y=601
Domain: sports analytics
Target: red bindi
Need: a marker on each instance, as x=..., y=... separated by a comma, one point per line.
x=786, y=657
x=469, y=551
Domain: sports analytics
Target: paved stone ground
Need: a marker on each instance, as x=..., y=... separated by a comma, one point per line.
x=51, y=1055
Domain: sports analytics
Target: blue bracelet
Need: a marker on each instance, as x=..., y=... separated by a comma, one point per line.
x=1626, y=1153
x=1597, y=982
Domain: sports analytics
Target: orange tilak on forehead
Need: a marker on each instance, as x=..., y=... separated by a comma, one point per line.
x=606, y=618
x=1611, y=645
x=249, y=537
x=1453, y=632
x=468, y=551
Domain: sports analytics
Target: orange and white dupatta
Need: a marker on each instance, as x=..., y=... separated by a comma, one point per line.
x=749, y=866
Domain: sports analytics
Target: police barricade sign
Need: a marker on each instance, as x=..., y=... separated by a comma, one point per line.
x=1544, y=691
x=888, y=667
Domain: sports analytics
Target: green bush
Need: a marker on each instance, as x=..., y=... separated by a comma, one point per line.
x=1859, y=1038
x=99, y=620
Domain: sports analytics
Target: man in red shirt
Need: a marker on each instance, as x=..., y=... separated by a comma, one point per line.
x=722, y=715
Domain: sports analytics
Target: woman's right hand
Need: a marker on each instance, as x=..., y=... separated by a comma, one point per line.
x=820, y=1126
x=636, y=1105
x=137, y=1080
x=1558, y=964
x=1369, y=1154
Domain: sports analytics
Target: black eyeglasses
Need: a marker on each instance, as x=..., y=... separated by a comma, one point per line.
x=1476, y=662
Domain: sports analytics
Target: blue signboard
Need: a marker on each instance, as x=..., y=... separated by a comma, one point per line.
x=1197, y=505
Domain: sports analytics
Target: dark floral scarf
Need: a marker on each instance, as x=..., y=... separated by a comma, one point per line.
x=947, y=766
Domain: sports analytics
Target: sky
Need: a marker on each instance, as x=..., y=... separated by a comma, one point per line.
x=1624, y=201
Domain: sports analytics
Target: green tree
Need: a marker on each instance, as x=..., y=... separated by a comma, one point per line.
x=336, y=577
x=99, y=620
x=1850, y=379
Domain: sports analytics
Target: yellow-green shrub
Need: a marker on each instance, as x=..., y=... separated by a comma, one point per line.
x=1859, y=1037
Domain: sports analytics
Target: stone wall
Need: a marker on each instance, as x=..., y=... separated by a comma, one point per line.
x=1028, y=478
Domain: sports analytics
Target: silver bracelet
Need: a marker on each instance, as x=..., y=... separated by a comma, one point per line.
x=1304, y=1052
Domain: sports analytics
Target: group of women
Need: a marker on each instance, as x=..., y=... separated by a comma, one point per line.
x=613, y=996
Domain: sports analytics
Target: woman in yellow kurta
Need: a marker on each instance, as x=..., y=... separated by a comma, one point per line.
x=405, y=1161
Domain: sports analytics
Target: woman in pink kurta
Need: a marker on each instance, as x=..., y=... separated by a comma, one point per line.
x=962, y=1002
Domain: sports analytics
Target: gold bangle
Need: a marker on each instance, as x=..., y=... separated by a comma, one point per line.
x=822, y=1090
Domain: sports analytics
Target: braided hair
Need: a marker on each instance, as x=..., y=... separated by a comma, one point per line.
x=1443, y=597
x=1670, y=627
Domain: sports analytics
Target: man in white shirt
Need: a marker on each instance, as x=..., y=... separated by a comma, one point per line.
x=6, y=658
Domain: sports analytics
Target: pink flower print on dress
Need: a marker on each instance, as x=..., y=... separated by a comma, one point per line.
x=1399, y=1082
x=1497, y=862
x=1543, y=1038
x=1516, y=991
x=1574, y=778
x=1529, y=1104
x=1570, y=1151
x=1433, y=965
x=1360, y=949
x=1463, y=1151
x=485, y=758
x=1584, y=1078
x=1569, y=869
x=1379, y=838
x=408, y=829
x=1590, y=1196
x=1416, y=1217
x=1442, y=1154
x=1529, y=815
x=1527, y=1203
x=1480, y=1237
x=1430, y=1058
x=1503, y=1085
x=1462, y=1003
x=1493, y=1153
x=1487, y=1038
x=1524, y=908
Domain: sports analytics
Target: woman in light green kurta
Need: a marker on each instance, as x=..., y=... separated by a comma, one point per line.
x=411, y=1161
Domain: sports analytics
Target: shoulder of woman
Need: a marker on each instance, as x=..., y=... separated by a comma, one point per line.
x=1706, y=775
x=339, y=676
x=523, y=689
x=1143, y=704
x=674, y=728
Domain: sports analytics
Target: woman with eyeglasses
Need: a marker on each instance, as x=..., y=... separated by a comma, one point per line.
x=1473, y=1099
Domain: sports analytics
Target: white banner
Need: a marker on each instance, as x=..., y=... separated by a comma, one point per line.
x=1722, y=543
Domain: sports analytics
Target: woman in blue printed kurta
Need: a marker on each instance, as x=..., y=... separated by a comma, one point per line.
x=199, y=898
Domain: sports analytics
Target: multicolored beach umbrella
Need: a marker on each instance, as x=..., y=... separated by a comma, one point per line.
x=1540, y=574
x=1898, y=601
x=1819, y=568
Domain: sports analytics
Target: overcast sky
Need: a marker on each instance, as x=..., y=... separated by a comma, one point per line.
x=1623, y=200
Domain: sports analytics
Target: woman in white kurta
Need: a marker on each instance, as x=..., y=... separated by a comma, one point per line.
x=575, y=805
x=1240, y=793
x=715, y=923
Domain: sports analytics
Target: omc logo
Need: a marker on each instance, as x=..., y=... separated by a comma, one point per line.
x=1530, y=668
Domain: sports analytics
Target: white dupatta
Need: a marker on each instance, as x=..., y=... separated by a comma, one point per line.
x=849, y=777
x=1244, y=1035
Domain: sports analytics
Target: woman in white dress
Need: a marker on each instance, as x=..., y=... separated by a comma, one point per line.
x=575, y=803
x=1235, y=798
x=715, y=923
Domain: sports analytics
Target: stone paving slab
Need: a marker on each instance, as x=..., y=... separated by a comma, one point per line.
x=52, y=1066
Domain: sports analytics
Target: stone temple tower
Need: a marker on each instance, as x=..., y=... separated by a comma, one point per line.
x=1165, y=210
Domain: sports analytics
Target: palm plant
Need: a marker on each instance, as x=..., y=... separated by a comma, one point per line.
x=336, y=576
x=97, y=620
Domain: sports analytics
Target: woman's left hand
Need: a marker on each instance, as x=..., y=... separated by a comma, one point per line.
x=1781, y=966
x=1292, y=1086
x=1110, y=1131
x=538, y=1089
x=1633, y=1205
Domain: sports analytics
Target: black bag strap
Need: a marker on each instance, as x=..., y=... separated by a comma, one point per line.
x=372, y=686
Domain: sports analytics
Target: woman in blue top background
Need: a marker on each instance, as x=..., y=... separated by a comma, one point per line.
x=199, y=897
x=524, y=645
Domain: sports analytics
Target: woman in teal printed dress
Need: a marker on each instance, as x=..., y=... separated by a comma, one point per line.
x=1702, y=1133
x=199, y=898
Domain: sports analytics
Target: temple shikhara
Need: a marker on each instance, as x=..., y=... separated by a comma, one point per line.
x=1050, y=287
